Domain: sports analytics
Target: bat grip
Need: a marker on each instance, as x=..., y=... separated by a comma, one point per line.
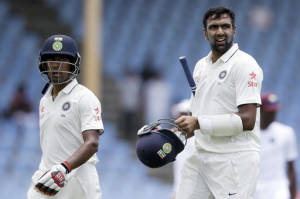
x=188, y=74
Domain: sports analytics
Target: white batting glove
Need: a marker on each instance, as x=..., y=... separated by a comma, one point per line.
x=53, y=180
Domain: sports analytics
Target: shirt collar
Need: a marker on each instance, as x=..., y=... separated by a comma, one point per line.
x=226, y=56
x=70, y=86
x=65, y=90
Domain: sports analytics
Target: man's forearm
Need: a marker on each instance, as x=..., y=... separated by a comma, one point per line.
x=85, y=152
x=292, y=179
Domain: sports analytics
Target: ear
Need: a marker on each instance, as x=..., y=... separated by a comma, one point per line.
x=205, y=33
x=234, y=29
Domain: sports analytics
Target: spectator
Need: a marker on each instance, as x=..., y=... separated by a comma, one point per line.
x=157, y=98
x=20, y=103
x=130, y=94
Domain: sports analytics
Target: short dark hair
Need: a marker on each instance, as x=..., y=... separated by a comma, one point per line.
x=218, y=11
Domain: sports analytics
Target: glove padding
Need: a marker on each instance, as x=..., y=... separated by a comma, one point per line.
x=52, y=181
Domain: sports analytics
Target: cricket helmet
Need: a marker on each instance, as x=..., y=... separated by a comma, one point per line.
x=60, y=45
x=157, y=146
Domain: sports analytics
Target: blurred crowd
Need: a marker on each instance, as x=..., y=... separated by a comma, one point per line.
x=145, y=98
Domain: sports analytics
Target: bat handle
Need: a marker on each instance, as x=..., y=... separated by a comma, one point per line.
x=188, y=74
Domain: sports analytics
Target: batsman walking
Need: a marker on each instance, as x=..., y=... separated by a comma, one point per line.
x=70, y=126
x=225, y=117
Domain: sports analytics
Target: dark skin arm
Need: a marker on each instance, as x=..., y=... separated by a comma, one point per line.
x=292, y=179
x=247, y=112
x=86, y=150
x=188, y=124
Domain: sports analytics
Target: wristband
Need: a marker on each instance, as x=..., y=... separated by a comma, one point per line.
x=67, y=166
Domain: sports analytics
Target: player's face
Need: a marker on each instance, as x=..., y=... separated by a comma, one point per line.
x=220, y=33
x=59, y=69
x=267, y=117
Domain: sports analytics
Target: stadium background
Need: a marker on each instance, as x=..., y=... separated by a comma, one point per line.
x=134, y=33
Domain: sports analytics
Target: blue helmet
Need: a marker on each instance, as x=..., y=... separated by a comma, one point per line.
x=59, y=45
x=157, y=146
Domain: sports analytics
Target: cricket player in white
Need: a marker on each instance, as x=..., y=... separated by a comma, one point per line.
x=225, y=117
x=277, y=178
x=70, y=125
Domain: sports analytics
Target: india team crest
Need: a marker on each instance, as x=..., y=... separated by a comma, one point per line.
x=167, y=148
x=57, y=46
x=222, y=74
x=66, y=106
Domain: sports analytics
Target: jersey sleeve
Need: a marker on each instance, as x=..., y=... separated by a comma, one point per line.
x=90, y=113
x=248, y=78
x=291, y=146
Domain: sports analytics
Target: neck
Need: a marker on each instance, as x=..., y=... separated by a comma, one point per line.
x=265, y=125
x=215, y=56
x=56, y=89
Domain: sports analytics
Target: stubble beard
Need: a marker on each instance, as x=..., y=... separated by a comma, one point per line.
x=221, y=49
x=60, y=79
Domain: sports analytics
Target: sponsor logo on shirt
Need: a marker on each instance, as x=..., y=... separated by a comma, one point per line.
x=97, y=114
x=272, y=140
x=253, y=75
x=251, y=82
x=42, y=114
x=231, y=194
x=197, y=78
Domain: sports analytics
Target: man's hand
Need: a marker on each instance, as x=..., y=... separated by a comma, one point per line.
x=52, y=181
x=188, y=124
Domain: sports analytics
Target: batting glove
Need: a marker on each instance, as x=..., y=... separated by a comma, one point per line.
x=53, y=180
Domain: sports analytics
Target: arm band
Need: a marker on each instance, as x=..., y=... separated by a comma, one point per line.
x=221, y=125
x=67, y=166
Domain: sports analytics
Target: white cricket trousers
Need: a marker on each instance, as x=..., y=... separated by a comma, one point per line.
x=209, y=175
x=83, y=184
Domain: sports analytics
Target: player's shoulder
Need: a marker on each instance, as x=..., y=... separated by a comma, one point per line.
x=244, y=55
x=201, y=63
x=202, y=60
x=45, y=96
x=244, y=62
x=282, y=128
x=42, y=100
x=84, y=95
x=243, y=58
x=84, y=92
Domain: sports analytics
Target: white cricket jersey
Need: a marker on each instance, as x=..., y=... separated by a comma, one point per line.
x=278, y=146
x=234, y=79
x=62, y=121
